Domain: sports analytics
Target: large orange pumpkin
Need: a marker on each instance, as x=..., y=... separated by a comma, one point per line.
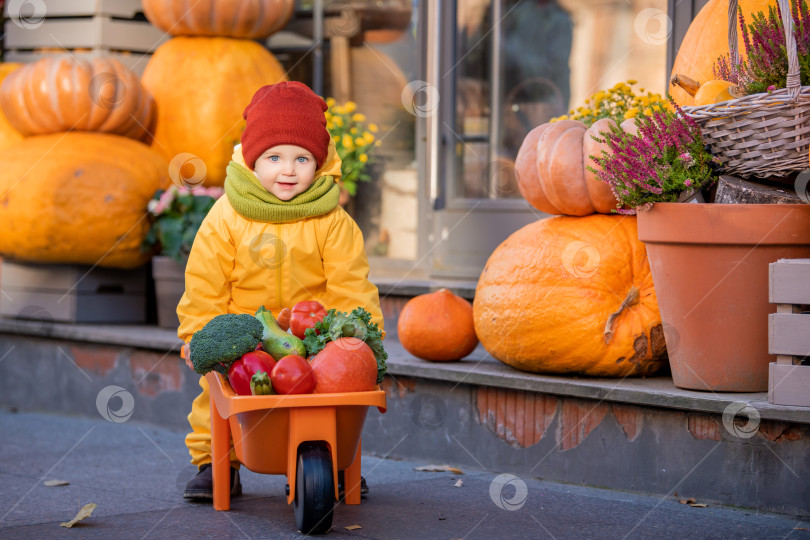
x=551, y=169
x=255, y=19
x=202, y=86
x=59, y=94
x=571, y=295
x=77, y=198
x=437, y=326
x=345, y=365
x=8, y=135
x=706, y=40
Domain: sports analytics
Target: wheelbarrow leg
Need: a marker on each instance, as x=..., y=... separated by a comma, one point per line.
x=220, y=459
x=351, y=478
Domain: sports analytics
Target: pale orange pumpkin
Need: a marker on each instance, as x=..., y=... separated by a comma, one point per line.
x=706, y=39
x=551, y=169
x=571, y=295
x=255, y=19
x=437, y=326
x=60, y=94
x=201, y=87
x=78, y=198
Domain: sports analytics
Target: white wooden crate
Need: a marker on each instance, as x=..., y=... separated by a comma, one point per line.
x=789, y=332
x=86, y=28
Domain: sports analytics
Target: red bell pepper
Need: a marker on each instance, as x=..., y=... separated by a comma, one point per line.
x=241, y=372
x=305, y=315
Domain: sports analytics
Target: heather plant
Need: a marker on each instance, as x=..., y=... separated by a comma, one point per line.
x=665, y=160
x=766, y=67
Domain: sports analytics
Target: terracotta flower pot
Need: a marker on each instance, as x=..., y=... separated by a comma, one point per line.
x=709, y=265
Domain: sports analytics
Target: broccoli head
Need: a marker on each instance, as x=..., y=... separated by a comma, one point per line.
x=224, y=340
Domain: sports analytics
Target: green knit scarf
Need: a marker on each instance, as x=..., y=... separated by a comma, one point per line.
x=249, y=198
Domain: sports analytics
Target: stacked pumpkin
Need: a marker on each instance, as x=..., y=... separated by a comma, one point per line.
x=203, y=78
x=571, y=293
x=74, y=189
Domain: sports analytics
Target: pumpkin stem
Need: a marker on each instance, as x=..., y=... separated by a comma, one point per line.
x=690, y=85
x=631, y=300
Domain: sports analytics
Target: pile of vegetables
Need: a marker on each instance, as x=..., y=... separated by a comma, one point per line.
x=308, y=349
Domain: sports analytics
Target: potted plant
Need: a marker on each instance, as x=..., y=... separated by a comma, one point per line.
x=177, y=214
x=709, y=262
x=354, y=140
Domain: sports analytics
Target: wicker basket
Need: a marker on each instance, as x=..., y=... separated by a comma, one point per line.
x=760, y=134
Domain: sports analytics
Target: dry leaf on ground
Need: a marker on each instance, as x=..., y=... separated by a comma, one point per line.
x=459, y=483
x=352, y=527
x=85, y=512
x=690, y=500
x=53, y=483
x=439, y=468
x=698, y=505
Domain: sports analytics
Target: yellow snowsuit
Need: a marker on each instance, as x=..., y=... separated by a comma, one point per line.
x=237, y=265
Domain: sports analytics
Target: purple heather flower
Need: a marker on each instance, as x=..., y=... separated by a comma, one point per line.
x=771, y=88
x=688, y=182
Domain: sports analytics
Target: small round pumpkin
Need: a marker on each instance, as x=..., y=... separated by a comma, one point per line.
x=437, y=326
x=344, y=365
x=551, y=170
x=78, y=198
x=705, y=40
x=201, y=87
x=66, y=93
x=255, y=19
x=571, y=295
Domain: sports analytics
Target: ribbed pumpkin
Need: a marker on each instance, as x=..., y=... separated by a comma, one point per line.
x=437, y=326
x=255, y=19
x=8, y=135
x=551, y=169
x=202, y=86
x=571, y=295
x=77, y=198
x=60, y=94
x=706, y=39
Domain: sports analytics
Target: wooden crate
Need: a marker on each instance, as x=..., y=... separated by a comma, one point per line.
x=85, y=29
x=789, y=332
x=72, y=293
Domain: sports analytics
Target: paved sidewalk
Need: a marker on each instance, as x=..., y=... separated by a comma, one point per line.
x=135, y=474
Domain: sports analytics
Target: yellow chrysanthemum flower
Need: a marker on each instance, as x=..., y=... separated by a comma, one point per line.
x=353, y=131
x=338, y=121
x=369, y=137
x=359, y=117
x=330, y=101
x=631, y=113
x=350, y=106
x=373, y=128
x=348, y=143
x=363, y=158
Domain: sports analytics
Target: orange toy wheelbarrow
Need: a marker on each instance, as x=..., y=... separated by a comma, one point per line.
x=308, y=437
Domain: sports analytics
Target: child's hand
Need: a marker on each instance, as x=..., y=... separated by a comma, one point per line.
x=187, y=355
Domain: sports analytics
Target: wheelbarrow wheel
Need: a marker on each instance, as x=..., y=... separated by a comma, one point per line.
x=314, y=501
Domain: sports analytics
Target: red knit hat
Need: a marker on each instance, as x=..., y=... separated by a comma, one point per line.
x=285, y=113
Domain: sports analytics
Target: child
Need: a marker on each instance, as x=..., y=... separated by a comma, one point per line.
x=278, y=237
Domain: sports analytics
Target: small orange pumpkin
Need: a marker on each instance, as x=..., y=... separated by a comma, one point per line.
x=437, y=326
x=59, y=94
x=256, y=19
x=8, y=135
x=551, y=170
x=571, y=295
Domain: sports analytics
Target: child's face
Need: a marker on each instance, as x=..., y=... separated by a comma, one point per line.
x=286, y=170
